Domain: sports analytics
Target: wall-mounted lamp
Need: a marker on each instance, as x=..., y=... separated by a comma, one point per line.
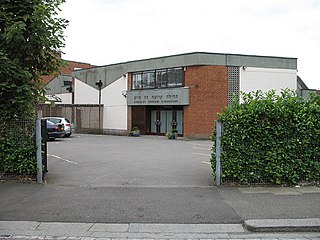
x=99, y=84
x=69, y=89
x=124, y=93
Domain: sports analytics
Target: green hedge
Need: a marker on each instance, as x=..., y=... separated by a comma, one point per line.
x=271, y=138
x=18, y=148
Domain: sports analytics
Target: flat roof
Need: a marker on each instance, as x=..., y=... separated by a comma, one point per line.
x=109, y=73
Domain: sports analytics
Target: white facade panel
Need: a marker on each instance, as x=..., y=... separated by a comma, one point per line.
x=266, y=79
x=84, y=94
x=115, y=105
x=115, y=117
x=66, y=98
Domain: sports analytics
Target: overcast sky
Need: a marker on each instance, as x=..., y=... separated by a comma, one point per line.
x=102, y=32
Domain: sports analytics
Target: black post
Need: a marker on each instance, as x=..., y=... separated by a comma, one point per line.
x=44, y=136
x=99, y=84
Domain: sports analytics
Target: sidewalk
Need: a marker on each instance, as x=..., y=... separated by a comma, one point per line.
x=298, y=229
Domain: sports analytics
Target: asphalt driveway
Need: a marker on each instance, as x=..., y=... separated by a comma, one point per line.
x=113, y=161
x=110, y=179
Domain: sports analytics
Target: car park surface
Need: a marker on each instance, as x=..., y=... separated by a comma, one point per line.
x=104, y=160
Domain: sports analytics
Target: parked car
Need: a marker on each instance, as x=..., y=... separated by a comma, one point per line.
x=55, y=130
x=68, y=126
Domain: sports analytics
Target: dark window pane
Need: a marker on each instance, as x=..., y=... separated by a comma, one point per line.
x=175, y=77
x=161, y=78
x=148, y=79
x=137, y=81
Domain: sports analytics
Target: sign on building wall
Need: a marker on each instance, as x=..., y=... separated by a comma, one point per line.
x=175, y=96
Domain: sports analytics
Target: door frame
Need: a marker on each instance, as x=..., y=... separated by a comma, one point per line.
x=163, y=108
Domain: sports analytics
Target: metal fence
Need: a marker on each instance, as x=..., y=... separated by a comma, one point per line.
x=15, y=135
x=20, y=131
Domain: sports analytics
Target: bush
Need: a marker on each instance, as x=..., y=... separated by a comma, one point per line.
x=17, y=150
x=135, y=132
x=271, y=138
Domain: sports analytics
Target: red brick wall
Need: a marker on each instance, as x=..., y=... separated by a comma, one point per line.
x=208, y=96
x=129, y=107
x=67, y=69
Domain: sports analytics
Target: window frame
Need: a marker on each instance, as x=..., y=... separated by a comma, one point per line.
x=157, y=83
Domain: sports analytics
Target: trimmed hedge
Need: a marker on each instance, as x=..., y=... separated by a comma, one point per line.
x=270, y=138
x=18, y=149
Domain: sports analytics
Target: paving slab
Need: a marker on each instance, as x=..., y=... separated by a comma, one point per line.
x=98, y=231
x=65, y=229
x=159, y=236
x=186, y=228
x=12, y=225
x=105, y=227
x=283, y=225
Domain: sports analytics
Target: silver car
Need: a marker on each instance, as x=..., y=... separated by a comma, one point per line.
x=68, y=126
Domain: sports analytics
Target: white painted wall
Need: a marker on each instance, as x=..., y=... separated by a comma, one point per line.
x=115, y=105
x=85, y=94
x=66, y=98
x=266, y=79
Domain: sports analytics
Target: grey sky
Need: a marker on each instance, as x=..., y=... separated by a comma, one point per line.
x=110, y=31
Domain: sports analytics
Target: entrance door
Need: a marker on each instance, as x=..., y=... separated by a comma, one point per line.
x=163, y=121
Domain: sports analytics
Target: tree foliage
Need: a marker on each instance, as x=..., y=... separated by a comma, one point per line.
x=31, y=38
x=271, y=138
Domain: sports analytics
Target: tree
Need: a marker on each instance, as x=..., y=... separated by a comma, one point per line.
x=31, y=38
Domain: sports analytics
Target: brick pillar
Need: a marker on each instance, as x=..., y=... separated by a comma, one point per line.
x=129, y=112
x=208, y=96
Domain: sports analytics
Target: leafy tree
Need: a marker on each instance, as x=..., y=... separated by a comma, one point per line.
x=31, y=38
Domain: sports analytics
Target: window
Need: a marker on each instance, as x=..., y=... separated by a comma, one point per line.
x=148, y=79
x=162, y=78
x=175, y=77
x=137, y=80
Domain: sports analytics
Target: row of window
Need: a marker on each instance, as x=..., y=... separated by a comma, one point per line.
x=164, y=78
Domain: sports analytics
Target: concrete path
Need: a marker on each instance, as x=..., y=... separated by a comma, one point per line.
x=91, y=231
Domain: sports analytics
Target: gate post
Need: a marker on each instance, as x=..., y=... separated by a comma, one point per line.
x=39, y=155
x=218, y=153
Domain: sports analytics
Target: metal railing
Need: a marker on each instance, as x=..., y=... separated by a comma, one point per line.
x=17, y=133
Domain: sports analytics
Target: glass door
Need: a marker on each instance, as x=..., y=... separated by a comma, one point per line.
x=163, y=121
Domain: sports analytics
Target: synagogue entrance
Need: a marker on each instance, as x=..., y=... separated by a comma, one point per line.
x=164, y=120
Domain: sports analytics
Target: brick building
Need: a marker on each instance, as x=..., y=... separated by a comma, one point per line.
x=184, y=92
x=68, y=69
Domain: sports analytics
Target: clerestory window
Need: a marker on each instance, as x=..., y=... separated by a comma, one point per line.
x=162, y=78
